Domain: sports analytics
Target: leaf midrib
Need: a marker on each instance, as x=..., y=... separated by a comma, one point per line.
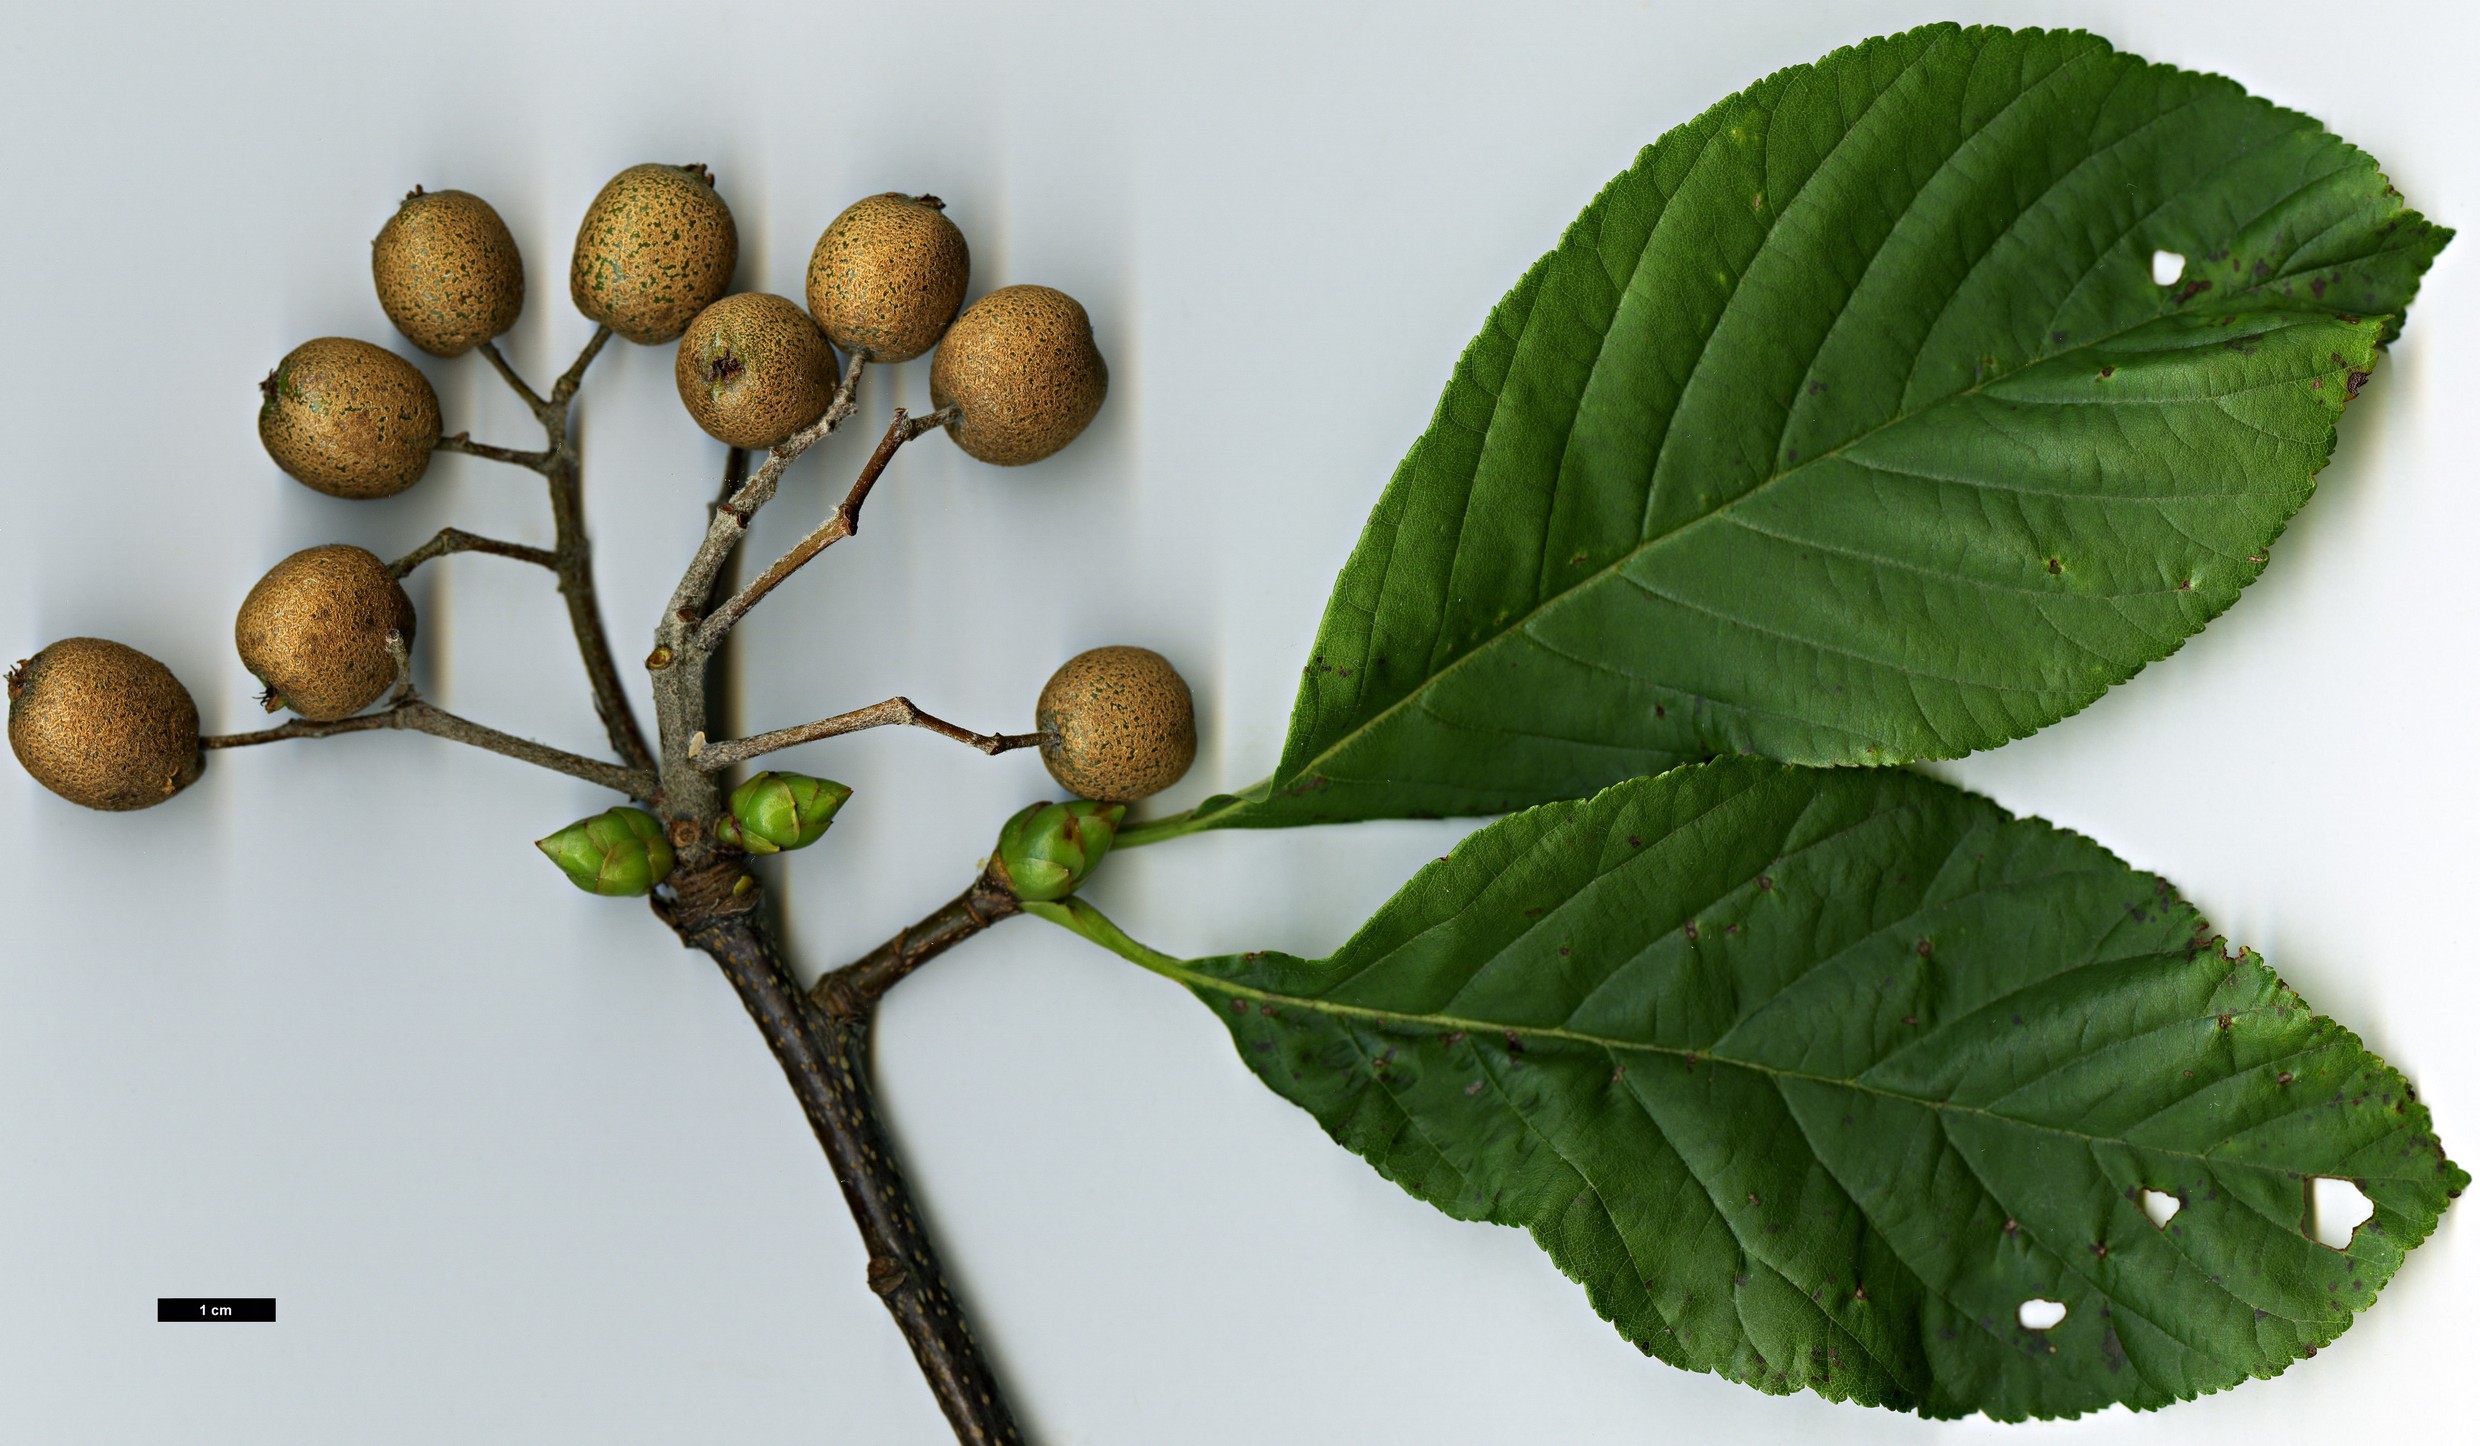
x=2168, y=308
x=1601, y=575
x=1205, y=982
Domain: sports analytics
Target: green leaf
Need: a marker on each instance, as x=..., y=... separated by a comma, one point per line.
x=1814, y=1077
x=1850, y=426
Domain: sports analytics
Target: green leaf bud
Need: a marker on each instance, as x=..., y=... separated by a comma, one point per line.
x=1048, y=849
x=777, y=811
x=620, y=851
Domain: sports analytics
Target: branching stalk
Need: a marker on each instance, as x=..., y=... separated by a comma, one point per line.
x=571, y=556
x=714, y=757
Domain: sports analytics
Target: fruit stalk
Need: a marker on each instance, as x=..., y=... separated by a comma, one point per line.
x=895, y=712
x=826, y=1060
x=422, y=717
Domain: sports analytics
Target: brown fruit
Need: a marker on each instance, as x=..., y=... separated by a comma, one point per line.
x=655, y=249
x=314, y=630
x=448, y=272
x=1021, y=368
x=349, y=419
x=1116, y=724
x=753, y=370
x=887, y=276
x=103, y=725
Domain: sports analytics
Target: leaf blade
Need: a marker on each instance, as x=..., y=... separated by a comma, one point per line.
x=1812, y=1078
x=1849, y=426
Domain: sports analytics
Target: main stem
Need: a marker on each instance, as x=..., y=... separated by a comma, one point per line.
x=826, y=1059
x=718, y=907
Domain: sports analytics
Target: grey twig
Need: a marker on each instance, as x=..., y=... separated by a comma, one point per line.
x=845, y=521
x=728, y=521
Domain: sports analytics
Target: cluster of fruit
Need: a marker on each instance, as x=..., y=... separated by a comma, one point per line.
x=1015, y=377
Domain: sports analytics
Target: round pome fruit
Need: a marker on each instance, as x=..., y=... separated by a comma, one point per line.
x=349, y=419
x=655, y=249
x=103, y=725
x=314, y=631
x=1116, y=724
x=753, y=370
x=887, y=276
x=448, y=272
x=1022, y=371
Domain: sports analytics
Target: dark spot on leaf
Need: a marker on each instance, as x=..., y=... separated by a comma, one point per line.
x=2194, y=289
x=2352, y=383
x=1921, y=947
x=1911, y=1019
x=1765, y=883
x=2283, y=1078
x=2316, y=284
x=1634, y=842
x=2106, y=373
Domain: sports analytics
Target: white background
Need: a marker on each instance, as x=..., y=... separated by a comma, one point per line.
x=518, y=1168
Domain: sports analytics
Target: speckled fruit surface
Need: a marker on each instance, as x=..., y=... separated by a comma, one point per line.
x=753, y=370
x=348, y=419
x=314, y=630
x=447, y=271
x=1117, y=723
x=886, y=276
x=103, y=725
x=1021, y=368
x=655, y=249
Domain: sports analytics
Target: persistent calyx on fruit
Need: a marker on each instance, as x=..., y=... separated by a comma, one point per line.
x=655, y=249
x=1022, y=371
x=103, y=725
x=773, y=812
x=1116, y=723
x=348, y=418
x=752, y=370
x=448, y=272
x=315, y=631
x=1048, y=849
x=620, y=851
x=887, y=276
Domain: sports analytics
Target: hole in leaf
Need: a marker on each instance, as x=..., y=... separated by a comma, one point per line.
x=2159, y=1207
x=2336, y=1210
x=2037, y=1314
x=2168, y=267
